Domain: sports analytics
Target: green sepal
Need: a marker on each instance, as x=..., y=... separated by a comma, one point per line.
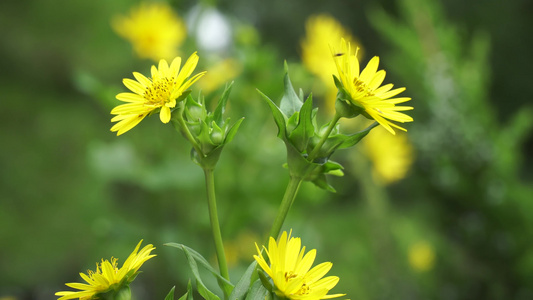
x=290, y=103
x=232, y=131
x=123, y=294
x=242, y=287
x=265, y=280
x=344, y=107
x=278, y=115
x=170, y=295
x=195, y=110
x=224, y=284
x=258, y=292
x=304, y=130
x=221, y=106
x=204, y=138
x=339, y=141
x=318, y=177
x=297, y=164
x=353, y=139
x=183, y=96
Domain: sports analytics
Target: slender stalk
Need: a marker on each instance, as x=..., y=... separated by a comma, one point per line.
x=325, y=136
x=215, y=226
x=286, y=203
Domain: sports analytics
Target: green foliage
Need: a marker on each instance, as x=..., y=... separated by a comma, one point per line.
x=210, y=132
x=297, y=127
x=193, y=258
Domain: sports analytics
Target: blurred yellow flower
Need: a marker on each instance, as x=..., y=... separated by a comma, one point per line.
x=320, y=32
x=290, y=270
x=154, y=30
x=240, y=248
x=363, y=89
x=107, y=276
x=160, y=92
x=421, y=256
x=221, y=73
x=391, y=155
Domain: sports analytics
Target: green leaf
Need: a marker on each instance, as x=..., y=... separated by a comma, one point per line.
x=258, y=292
x=290, y=103
x=223, y=282
x=202, y=289
x=304, y=130
x=170, y=295
x=241, y=288
x=221, y=106
x=188, y=294
x=279, y=117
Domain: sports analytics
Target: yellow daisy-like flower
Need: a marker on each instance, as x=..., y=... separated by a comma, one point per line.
x=159, y=92
x=291, y=271
x=320, y=31
x=391, y=156
x=364, y=91
x=153, y=29
x=108, y=276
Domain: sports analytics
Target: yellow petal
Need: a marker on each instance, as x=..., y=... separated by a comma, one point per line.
x=164, y=115
x=133, y=86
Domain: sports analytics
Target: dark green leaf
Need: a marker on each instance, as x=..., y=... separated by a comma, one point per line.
x=170, y=295
x=226, y=285
x=257, y=292
x=202, y=289
x=241, y=288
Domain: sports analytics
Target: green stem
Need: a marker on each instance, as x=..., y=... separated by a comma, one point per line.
x=215, y=226
x=286, y=203
x=325, y=136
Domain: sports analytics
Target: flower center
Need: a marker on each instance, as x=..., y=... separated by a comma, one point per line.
x=304, y=290
x=160, y=91
x=361, y=87
x=290, y=275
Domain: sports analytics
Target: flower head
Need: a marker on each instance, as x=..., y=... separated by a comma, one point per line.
x=149, y=94
x=291, y=271
x=364, y=91
x=107, y=276
x=154, y=30
x=320, y=31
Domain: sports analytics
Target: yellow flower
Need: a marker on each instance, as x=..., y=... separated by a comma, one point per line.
x=391, y=156
x=364, y=91
x=290, y=270
x=160, y=92
x=421, y=256
x=320, y=31
x=154, y=30
x=108, y=276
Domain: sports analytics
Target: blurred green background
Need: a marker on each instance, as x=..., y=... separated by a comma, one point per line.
x=459, y=225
